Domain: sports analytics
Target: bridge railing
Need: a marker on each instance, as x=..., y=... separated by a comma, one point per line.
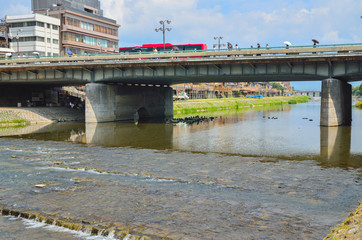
x=185, y=55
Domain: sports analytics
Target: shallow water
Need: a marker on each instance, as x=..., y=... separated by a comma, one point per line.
x=268, y=174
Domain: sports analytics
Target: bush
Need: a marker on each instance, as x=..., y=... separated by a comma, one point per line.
x=358, y=105
x=292, y=101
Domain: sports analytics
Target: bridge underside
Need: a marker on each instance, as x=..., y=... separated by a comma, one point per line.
x=109, y=103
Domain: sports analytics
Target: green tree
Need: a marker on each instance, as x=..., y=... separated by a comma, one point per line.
x=357, y=90
x=277, y=86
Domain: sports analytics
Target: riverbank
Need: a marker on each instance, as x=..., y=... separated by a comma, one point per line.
x=350, y=229
x=24, y=116
x=203, y=105
x=33, y=115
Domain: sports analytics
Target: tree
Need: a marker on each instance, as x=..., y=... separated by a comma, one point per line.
x=357, y=90
x=277, y=86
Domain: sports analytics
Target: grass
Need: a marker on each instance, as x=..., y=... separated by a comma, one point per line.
x=342, y=231
x=19, y=121
x=202, y=105
x=11, y=118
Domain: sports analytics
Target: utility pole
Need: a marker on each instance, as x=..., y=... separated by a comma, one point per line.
x=17, y=38
x=6, y=33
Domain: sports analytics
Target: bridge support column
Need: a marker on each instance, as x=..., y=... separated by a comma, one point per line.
x=110, y=103
x=336, y=103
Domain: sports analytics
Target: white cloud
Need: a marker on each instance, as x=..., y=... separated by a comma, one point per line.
x=194, y=21
x=15, y=9
x=333, y=37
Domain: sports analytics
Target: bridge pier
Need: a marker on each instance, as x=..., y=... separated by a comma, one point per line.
x=110, y=103
x=336, y=103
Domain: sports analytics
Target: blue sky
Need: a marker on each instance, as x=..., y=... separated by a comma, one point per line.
x=243, y=22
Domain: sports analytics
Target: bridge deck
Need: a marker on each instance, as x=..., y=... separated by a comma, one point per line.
x=284, y=64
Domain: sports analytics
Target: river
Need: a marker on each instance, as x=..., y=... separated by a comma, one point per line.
x=269, y=173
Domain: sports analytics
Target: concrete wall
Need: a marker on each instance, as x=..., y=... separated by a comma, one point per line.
x=108, y=103
x=336, y=103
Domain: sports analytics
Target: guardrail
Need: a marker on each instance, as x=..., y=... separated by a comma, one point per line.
x=240, y=53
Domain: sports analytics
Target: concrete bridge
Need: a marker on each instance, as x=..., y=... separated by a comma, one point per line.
x=124, y=87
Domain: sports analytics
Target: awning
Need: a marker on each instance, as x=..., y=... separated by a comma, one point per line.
x=6, y=50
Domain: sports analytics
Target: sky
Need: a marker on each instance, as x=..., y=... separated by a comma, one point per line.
x=241, y=22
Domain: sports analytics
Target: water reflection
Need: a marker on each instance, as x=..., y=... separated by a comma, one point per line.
x=335, y=147
x=154, y=136
x=283, y=132
x=21, y=129
x=73, y=132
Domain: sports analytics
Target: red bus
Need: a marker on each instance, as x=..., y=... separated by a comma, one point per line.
x=168, y=47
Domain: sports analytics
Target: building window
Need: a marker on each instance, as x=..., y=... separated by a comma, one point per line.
x=30, y=24
x=90, y=26
x=55, y=27
x=89, y=40
x=87, y=26
x=15, y=25
x=55, y=41
x=88, y=10
x=40, y=24
x=48, y=25
x=40, y=39
x=48, y=40
x=27, y=39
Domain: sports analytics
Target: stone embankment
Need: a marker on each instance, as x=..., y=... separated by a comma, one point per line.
x=31, y=115
x=350, y=229
x=92, y=229
x=15, y=116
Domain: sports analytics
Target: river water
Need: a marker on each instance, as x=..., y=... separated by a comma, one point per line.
x=270, y=173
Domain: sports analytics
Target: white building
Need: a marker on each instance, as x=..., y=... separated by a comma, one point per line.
x=34, y=33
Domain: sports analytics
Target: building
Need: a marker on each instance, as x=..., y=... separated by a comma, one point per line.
x=5, y=42
x=34, y=33
x=232, y=89
x=4, y=38
x=84, y=30
x=91, y=6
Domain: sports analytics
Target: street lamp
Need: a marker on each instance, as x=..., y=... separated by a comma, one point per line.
x=100, y=45
x=17, y=38
x=219, y=45
x=163, y=29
